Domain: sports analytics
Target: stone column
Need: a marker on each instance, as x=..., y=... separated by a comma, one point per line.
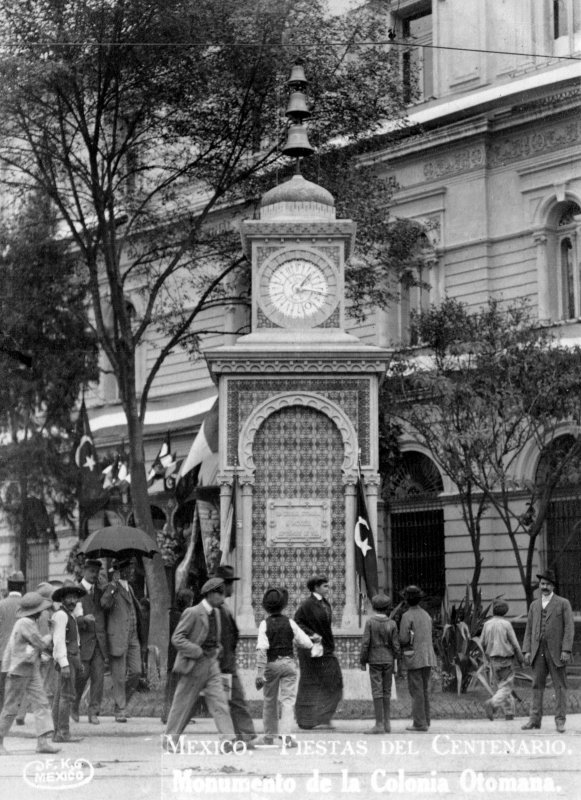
x=225, y=503
x=372, y=482
x=544, y=313
x=246, y=619
x=349, y=619
x=230, y=334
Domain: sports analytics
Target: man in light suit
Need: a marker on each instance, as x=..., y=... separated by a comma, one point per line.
x=415, y=637
x=547, y=645
x=93, y=637
x=197, y=641
x=123, y=636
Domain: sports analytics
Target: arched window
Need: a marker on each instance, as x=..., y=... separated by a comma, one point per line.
x=415, y=290
x=560, y=296
x=567, y=249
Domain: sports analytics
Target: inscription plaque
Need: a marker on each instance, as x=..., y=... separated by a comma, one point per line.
x=292, y=522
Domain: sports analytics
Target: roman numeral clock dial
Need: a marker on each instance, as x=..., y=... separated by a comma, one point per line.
x=298, y=292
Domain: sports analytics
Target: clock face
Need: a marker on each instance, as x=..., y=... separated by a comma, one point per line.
x=298, y=291
x=298, y=288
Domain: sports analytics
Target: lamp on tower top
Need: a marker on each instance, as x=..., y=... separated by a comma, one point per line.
x=297, y=142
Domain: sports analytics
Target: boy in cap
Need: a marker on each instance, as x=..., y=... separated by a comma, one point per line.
x=501, y=646
x=22, y=664
x=379, y=649
x=275, y=666
x=197, y=642
x=66, y=653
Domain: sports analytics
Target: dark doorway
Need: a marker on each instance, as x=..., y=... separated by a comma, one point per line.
x=417, y=542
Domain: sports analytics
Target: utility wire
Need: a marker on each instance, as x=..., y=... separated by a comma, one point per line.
x=282, y=45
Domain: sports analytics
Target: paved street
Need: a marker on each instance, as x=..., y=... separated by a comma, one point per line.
x=456, y=759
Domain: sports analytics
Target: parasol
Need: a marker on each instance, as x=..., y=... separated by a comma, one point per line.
x=119, y=540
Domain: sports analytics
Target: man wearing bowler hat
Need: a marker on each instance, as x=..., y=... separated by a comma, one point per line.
x=197, y=642
x=124, y=635
x=93, y=639
x=547, y=645
x=241, y=719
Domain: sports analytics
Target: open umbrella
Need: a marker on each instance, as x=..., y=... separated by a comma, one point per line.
x=118, y=539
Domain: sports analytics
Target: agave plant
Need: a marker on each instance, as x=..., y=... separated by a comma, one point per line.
x=457, y=643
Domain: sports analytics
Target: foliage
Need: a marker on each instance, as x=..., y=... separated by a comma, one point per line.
x=487, y=387
x=456, y=640
x=144, y=121
x=46, y=355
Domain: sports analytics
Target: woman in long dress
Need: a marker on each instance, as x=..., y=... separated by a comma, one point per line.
x=321, y=683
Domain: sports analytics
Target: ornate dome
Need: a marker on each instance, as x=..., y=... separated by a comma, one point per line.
x=297, y=199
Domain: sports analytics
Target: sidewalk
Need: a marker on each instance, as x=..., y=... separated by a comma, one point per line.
x=444, y=705
x=457, y=759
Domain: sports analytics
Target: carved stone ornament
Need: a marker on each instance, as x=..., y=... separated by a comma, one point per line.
x=284, y=400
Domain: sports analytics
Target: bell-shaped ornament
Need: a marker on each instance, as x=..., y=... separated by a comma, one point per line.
x=297, y=75
x=297, y=142
x=297, y=109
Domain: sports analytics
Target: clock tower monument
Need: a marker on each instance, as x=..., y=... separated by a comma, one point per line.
x=298, y=408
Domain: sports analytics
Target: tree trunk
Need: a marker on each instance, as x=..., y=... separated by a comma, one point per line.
x=154, y=569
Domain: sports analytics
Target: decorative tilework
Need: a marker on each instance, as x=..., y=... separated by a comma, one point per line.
x=298, y=453
x=263, y=321
x=351, y=394
x=333, y=321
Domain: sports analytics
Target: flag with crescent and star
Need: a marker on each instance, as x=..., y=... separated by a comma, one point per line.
x=90, y=493
x=365, y=555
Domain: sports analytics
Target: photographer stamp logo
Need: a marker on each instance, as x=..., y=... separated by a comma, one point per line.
x=58, y=773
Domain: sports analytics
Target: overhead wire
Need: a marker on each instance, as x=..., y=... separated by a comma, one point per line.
x=283, y=45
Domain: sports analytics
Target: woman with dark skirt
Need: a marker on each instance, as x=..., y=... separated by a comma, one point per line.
x=321, y=683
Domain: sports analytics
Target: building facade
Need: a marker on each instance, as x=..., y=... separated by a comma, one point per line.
x=492, y=169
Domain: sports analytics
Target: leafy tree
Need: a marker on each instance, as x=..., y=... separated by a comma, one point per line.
x=144, y=119
x=47, y=354
x=486, y=386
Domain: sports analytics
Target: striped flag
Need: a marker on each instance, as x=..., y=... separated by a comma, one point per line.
x=205, y=443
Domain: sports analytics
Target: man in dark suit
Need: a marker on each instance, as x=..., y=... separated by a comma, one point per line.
x=93, y=639
x=547, y=645
x=243, y=724
x=124, y=635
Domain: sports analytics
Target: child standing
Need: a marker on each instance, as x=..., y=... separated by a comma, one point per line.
x=275, y=666
x=501, y=646
x=21, y=663
x=379, y=649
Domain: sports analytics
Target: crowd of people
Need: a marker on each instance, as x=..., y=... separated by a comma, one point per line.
x=61, y=636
